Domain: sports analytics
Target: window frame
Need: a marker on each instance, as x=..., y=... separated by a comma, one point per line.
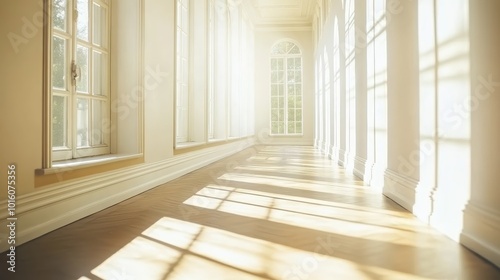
x=284, y=58
x=70, y=149
x=182, y=75
x=126, y=89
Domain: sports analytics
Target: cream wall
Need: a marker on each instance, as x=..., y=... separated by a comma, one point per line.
x=21, y=92
x=264, y=40
x=427, y=109
x=482, y=213
x=41, y=209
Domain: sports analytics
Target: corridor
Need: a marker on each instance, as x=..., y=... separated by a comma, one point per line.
x=267, y=212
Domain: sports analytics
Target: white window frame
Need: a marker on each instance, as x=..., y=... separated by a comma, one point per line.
x=92, y=147
x=126, y=110
x=284, y=57
x=182, y=71
x=211, y=71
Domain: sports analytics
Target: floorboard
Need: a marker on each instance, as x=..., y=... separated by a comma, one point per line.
x=268, y=212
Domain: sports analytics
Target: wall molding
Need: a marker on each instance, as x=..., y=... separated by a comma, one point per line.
x=481, y=230
x=53, y=207
x=360, y=167
x=400, y=188
x=341, y=159
x=290, y=141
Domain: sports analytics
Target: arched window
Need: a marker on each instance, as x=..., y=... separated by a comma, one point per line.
x=286, y=89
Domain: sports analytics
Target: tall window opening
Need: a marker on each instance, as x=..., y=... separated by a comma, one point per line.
x=182, y=71
x=286, y=89
x=211, y=71
x=79, y=78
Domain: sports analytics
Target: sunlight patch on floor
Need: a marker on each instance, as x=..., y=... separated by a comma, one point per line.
x=140, y=259
x=317, y=216
x=176, y=249
x=298, y=184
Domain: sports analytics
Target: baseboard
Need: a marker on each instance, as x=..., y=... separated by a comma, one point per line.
x=350, y=161
x=341, y=159
x=480, y=232
x=359, y=167
x=292, y=142
x=400, y=188
x=51, y=208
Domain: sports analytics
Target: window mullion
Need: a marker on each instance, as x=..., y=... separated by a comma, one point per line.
x=285, y=84
x=73, y=94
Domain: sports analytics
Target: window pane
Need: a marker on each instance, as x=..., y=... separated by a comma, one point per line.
x=280, y=64
x=58, y=63
x=281, y=75
x=291, y=102
x=100, y=73
x=274, y=102
x=298, y=77
x=298, y=103
x=82, y=123
x=281, y=127
x=291, y=115
x=298, y=64
x=99, y=28
x=59, y=121
x=98, y=114
x=274, y=90
x=298, y=89
x=294, y=50
x=59, y=14
x=290, y=63
x=291, y=127
x=298, y=115
x=298, y=127
x=274, y=115
x=82, y=60
x=281, y=102
x=274, y=128
x=185, y=17
x=274, y=77
x=185, y=73
x=290, y=77
x=82, y=25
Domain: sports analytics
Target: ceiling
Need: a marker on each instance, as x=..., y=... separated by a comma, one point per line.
x=282, y=13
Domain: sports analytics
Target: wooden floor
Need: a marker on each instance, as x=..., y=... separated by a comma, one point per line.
x=266, y=213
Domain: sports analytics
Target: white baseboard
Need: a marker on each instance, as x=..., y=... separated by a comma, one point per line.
x=341, y=159
x=481, y=232
x=400, y=188
x=291, y=141
x=53, y=207
x=360, y=167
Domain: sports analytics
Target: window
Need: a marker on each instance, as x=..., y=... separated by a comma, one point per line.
x=182, y=71
x=79, y=78
x=211, y=71
x=286, y=89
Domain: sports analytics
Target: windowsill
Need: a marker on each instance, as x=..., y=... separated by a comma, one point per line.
x=286, y=135
x=217, y=140
x=68, y=165
x=185, y=145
